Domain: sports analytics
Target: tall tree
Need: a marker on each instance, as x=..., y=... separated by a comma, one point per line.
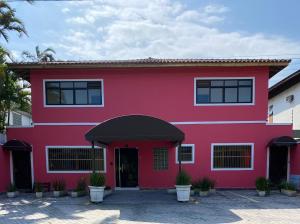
x=9, y=22
x=40, y=56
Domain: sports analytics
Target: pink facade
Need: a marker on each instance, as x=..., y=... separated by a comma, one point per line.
x=5, y=170
x=165, y=93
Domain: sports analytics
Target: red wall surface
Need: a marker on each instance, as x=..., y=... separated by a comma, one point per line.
x=200, y=135
x=4, y=169
x=165, y=93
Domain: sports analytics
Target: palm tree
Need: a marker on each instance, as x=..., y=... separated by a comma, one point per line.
x=40, y=56
x=9, y=21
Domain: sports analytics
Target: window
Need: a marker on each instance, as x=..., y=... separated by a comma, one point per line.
x=187, y=153
x=231, y=156
x=74, y=92
x=78, y=159
x=160, y=159
x=224, y=91
x=17, y=119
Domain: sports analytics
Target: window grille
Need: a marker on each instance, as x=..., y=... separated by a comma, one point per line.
x=160, y=157
x=186, y=153
x=75, y=159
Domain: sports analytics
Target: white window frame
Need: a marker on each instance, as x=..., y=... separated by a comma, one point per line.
x=236, y=169
x=193, y=154
x=74, y=147
x=223, y=104
x=82, y=80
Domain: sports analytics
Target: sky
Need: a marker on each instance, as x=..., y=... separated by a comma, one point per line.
x=128, y=29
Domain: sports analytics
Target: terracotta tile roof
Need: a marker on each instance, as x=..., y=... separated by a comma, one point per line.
x=156, y=61
x=275, y=65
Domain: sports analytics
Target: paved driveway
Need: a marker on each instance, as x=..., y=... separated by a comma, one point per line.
x=153, y=207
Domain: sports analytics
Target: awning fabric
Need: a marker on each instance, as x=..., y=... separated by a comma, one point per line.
x=282, y=141
x=17, y=145
x=134, y=127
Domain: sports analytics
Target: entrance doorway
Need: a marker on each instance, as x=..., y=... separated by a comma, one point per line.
x=278, y=164
x=22, y=169
x=126, y=164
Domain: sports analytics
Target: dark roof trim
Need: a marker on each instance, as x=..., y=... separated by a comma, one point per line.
x=284, y=84
x=275, y=65
x=282, y=141
x=17, y=145
x=134, y=128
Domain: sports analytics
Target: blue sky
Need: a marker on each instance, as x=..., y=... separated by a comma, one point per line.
x=118, y=29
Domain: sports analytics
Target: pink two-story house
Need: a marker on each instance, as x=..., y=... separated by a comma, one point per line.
x=137, y=112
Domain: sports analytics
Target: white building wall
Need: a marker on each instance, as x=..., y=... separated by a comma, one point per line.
x=284, y=111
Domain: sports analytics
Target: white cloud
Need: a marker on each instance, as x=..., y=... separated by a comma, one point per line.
x=65, y=10
x=159, y=28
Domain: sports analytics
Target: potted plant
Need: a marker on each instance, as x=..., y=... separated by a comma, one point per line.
x=212, y=188
x=288, y=189
x=183, y=186
x=80, y=189
x=11, y=191
x=38, y=190
x=262, y=186
x=204, y=186
x=97, y=185
x=58, y=188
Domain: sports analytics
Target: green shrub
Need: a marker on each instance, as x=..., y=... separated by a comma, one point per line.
x=38, y=187
x=81, y=185
x=97, y=180
x=11, y=188
x=59, y=185
x=262, y=184
x=287, y=186
x=205, y=184
x=183, y=178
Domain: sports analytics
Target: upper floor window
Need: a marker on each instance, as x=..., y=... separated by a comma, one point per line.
x=223, y=91
x=74, y=92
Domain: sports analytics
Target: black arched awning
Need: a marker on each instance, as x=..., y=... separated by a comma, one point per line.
x=283, y=141
x=134, y=127
x=16, y=145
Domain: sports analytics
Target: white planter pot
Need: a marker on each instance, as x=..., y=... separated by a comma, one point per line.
x=289, y=192
x=39, y=194
x=261, y=193
x=183, y=192
x=58, y=193
x=212, y=190
x=75, y=194
x=203, y=193
x=11, y=194
x=96, y=193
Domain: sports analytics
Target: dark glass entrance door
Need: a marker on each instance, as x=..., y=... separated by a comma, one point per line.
x=126, y=167
x=22, y=169
x=278, y=162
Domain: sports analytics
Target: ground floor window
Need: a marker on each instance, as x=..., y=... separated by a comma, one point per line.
x=160, y=158
x=232, y=156
x=187, y=153
x=74, y=159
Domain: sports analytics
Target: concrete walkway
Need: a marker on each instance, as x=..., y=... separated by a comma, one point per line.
x=153, y=207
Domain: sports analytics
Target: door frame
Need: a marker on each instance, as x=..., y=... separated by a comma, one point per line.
x=138, y=170
x=11, y=166
x=288, y=163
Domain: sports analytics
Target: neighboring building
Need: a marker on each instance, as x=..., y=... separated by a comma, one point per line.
x=284, y=101
x=138, y=111
x=20, y=118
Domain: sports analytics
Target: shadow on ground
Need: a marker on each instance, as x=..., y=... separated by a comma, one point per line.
x=152, y=207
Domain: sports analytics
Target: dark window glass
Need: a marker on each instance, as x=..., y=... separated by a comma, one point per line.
x=186, y=154
x=216, y=95
x=224, y=91
x=53, y=96
x=160, y=159
x=81, y=96
x=231, y=95
x=74, y=93
x=203, y=95
x=66, y=96
x=245, y=94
